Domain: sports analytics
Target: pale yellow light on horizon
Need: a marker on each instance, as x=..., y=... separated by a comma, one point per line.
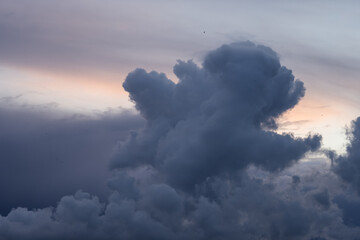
x=73, y=93
x=314, y=115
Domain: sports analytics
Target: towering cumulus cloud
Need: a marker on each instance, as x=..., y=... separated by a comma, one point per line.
x=214, y=121
x=185, y=175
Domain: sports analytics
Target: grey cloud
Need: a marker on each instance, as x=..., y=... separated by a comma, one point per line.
x=348, y=166
x=350, y=210
x=296, y=179
x=45, y=156
x=83, y=37
x=207, y=164
x=215, y=112
x=322, y=198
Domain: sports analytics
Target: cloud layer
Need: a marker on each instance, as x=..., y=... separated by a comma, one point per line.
x=208, y=163
x=46, y=154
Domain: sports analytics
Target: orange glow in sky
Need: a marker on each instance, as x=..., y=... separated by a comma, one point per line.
x=315, y=113
x=82, y=94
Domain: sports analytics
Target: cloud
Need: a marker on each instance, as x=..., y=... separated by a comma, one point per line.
x=46, y=154
x=215, y=112
x=207, y=165
x=85, y=37
x=348, y=166
x=350, y=210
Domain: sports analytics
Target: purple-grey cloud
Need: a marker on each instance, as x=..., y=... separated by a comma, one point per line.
x=207, y=164
x=45, y=156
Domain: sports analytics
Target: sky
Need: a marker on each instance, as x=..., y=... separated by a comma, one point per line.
x=77, y=54
x=167, y=113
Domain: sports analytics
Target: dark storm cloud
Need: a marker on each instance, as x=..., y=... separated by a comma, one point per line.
x=350, y=208
x=207, y=165
x=45, y=156
x=348, y=166
x=322, y=198
x=215, y=112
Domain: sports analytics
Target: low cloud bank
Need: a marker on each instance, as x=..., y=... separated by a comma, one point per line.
x=46, y=154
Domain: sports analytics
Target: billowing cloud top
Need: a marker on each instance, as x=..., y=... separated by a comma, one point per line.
x=212, y=121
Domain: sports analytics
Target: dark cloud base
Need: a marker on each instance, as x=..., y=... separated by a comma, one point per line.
x=187, y=173
x=46, y=154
